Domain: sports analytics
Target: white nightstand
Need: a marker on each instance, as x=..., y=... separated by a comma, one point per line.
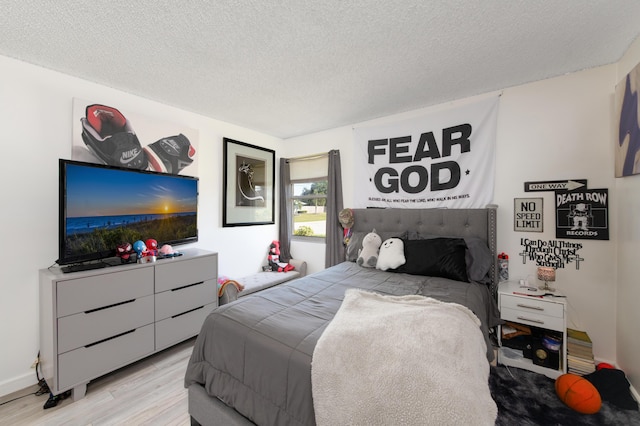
x=521, y=306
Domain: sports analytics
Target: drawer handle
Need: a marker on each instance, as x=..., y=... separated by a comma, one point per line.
x=186, y=312
x=186, y=286
x=109, y=306
x=537, y=308
x=531, y=320
x=109, y=338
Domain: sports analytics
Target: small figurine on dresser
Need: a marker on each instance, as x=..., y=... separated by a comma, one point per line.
x=142, y=252
x=125, y=252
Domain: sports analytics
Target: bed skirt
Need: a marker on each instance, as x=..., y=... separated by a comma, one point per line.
x=210, y=411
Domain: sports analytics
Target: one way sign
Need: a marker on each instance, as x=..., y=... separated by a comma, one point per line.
x=555, y=185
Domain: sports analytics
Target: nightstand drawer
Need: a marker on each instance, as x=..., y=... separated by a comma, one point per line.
x=532, y=318
x=532, y=304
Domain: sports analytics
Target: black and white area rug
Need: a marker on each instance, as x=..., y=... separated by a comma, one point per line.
x=527, y=398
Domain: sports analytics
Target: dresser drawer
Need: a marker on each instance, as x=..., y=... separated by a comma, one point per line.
x=181, y=299
x=179, y=271
x=532, y=318
x=532, y=304
x=92, y=326
x=85, y=294
x=173, y=330
x=86, y=363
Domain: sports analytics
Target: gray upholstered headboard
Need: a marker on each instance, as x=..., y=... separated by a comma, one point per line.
x=479, y=223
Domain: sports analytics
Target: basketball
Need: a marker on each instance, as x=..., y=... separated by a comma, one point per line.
x=578, y=393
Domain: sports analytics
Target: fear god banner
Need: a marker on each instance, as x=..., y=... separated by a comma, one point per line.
x=442, y=159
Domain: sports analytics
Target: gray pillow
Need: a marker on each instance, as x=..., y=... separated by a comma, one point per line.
x=355, y=243
x=478, y=256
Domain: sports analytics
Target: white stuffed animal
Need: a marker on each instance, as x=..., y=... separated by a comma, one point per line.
x=391, y=254
x=368, y=256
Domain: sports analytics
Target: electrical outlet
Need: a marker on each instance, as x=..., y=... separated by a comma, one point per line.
x=35, y=363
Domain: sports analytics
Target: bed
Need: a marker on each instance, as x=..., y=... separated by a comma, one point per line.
x=252, y=361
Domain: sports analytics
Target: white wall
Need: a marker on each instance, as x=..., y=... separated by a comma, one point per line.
x=549, y=130
x=36, y=123
x=628, y=247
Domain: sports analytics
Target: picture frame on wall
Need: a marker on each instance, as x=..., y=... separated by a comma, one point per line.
x=248, y=188
x=150, y=144
x=627, y=142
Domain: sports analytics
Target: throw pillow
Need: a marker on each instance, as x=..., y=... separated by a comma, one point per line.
x=436, y=257
x=478, y=256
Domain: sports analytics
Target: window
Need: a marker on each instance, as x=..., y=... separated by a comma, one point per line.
x=309, y=183
x=309, y=208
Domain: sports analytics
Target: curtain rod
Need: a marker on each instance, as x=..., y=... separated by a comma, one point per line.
x=308, y=157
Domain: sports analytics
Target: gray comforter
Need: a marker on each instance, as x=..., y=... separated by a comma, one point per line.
x=255, y=354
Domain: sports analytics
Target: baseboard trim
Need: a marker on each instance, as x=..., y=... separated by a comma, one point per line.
x=17, y=383
x=634, y=392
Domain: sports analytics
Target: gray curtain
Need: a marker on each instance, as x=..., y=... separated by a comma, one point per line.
x=285, y=216
x=335, y=251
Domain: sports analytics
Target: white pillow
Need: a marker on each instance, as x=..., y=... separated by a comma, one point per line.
x=391, y=254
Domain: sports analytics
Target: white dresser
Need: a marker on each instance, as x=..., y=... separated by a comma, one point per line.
x=93, y=322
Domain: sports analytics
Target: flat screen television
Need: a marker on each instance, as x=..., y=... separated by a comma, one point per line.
x=104, y=206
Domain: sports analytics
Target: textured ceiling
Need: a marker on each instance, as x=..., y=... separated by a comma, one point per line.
x=290, y=68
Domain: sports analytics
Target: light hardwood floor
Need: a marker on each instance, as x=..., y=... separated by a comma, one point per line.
x=148, y=392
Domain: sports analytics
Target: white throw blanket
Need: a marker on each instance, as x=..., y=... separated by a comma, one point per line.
x=401, y=360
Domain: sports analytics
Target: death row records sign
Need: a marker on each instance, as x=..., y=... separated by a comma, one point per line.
x=582, y=215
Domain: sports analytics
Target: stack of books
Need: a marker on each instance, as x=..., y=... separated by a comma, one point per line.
x=579, y=353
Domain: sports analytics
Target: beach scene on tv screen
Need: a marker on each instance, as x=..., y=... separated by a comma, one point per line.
x=107, y=207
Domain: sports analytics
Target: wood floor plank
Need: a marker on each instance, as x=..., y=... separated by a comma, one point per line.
x=148, y=392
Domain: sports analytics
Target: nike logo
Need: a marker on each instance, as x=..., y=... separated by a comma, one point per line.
x=171, y=145
x=129, y=156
